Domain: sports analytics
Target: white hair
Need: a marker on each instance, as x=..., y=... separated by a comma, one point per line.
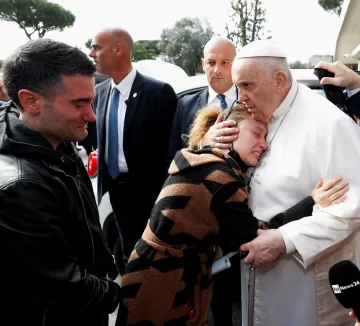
x=274, y=64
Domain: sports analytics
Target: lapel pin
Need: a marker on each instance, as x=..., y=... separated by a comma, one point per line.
x=135, y=94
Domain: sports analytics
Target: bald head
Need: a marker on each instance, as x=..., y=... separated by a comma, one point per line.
x=118, y=35
x=112, y=51
x=220, y=42
x=219, y=54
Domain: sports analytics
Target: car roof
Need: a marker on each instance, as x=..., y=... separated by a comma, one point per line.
x=306, y=77
x=184, y=84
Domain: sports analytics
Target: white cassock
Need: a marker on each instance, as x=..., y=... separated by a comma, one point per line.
x=310, y=138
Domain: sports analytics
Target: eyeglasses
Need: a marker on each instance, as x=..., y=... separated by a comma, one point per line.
x=231, y=107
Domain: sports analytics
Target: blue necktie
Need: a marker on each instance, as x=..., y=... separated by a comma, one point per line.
x=113, y=141
x=223, y=104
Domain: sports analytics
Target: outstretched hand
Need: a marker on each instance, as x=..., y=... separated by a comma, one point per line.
x=344, y=76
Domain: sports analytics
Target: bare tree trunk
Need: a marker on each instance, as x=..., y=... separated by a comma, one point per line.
x=244, y=19
x=26, y=32
x=255, y=21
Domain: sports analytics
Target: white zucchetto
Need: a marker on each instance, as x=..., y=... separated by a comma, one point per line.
x=261, y=48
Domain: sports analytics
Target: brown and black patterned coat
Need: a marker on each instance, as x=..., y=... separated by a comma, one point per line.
x=203, y=203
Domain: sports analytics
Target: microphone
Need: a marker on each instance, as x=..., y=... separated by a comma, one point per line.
x=344, y=278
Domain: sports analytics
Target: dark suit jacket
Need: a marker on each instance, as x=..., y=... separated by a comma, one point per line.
x=184, y=117
x=147, y=126
x=353, y=104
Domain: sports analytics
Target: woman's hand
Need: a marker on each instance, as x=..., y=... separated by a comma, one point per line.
x=331, y=192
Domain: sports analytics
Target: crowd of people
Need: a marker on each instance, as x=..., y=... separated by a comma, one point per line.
x=255, y=163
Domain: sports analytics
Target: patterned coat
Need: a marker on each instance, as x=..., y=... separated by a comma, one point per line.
x=169, y=271
x=203, y=203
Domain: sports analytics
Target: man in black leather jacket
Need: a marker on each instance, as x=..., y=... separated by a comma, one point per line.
x=55, y=264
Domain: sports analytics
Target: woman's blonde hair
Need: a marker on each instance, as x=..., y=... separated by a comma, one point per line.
x=207, y=116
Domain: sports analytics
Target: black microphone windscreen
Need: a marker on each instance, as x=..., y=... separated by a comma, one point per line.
x=344, y=278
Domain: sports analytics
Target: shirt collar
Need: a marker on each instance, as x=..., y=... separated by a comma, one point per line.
x=229, y=94
x=284, y=107
x=125, y=85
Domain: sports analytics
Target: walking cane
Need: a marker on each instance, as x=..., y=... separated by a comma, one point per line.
x=251, y=295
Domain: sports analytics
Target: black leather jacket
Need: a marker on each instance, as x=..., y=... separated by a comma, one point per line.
x=54, y=259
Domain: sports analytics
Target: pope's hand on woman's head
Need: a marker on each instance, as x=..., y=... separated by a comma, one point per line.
x=221, y=134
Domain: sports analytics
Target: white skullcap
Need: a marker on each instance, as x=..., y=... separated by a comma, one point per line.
x=261, y=48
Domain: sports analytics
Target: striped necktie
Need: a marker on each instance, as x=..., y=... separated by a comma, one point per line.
x=223, y=104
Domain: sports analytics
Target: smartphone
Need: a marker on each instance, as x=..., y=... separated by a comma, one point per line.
x=334, y=94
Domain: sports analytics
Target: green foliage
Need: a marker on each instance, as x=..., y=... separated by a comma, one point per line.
x=88, y=43
x=34, y=16
x=247, y=21
x=299, y=65
x=184, y=43
x=145, y=49
x=332, y=5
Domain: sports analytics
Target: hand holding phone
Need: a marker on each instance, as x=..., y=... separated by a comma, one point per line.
x=334, y=94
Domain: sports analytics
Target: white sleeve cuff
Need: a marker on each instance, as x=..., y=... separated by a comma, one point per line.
x=352, y=92
x=290, y=248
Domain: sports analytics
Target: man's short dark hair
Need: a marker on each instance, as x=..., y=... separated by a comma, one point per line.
x=39, y=66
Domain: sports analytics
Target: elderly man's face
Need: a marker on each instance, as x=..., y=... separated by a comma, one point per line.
x=217, y=63
x=256, y=88
x=3, y=95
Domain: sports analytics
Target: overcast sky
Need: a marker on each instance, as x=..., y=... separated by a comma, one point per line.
x=300, y=27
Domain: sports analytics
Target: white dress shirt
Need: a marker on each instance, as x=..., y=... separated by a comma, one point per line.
x=124, y=88
x=230, y=97
x=352, y=92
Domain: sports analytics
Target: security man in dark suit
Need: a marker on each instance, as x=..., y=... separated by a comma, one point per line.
x=219, y=53
x=134, y=116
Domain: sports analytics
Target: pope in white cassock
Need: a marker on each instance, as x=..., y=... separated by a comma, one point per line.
x=308, y=137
